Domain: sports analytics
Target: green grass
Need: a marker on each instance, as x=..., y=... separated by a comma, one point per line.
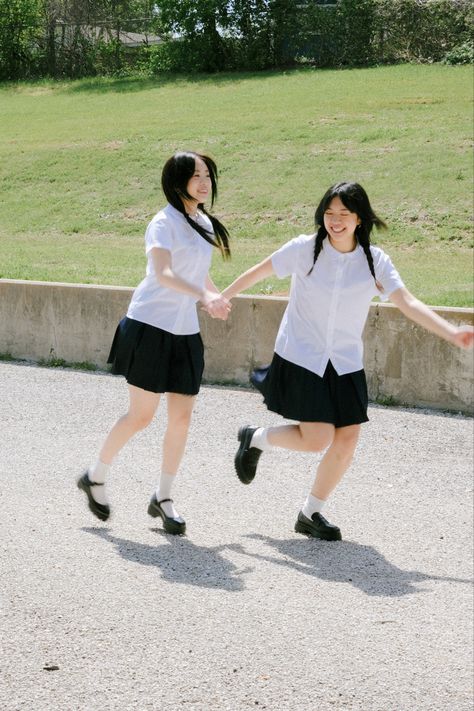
x=81, y=161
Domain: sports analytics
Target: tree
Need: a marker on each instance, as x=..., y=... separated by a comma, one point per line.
x=19, y=27
x=197, y=23
x=265, y=31
x=217, y=35
x=83, y=37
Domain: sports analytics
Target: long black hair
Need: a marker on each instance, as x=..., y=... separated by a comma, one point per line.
x=354, y=197
x=177, y=172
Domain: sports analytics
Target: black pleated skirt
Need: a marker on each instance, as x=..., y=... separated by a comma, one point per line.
x=156, y=360
x=298, y=394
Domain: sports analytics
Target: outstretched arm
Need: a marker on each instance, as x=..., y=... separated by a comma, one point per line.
x=417, y=311
x=249, y=278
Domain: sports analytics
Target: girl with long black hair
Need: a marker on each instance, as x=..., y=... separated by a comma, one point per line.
x=316, y=376
x=157, y=346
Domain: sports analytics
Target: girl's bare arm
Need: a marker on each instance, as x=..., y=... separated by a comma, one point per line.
x=214, y=303
x=417, y=311
x=252, y=276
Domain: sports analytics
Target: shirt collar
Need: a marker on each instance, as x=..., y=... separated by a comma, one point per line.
x=333, y=253
x=174, y=213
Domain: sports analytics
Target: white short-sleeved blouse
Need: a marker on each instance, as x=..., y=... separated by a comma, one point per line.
x=191, y=255
x=328, y=308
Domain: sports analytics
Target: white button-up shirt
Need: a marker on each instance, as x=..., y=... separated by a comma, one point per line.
x=328, y=308
x=191, y=256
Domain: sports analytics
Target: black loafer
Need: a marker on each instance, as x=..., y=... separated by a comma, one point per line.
x=246, y=458
x=102, y=511
x=176, y=526
x=317, y=527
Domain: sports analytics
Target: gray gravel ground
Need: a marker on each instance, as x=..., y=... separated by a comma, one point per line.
x=242, y=613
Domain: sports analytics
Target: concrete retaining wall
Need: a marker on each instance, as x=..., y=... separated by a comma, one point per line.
x=75, y=322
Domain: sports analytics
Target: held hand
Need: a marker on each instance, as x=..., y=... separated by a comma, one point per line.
x=464, y=338
x=215, y=305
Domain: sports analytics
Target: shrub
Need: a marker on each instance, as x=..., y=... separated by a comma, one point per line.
x=421, y=30
x=461, y=54
x=187, y=55
x=219, y=36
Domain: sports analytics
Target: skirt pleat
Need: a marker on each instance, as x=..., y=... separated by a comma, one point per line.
x=156, y=360
x=298, y=394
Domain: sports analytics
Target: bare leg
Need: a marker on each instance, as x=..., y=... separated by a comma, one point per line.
x=180, y=409
x=330, y=471
x=142, y=408
x=336, y=461
x=304, y=437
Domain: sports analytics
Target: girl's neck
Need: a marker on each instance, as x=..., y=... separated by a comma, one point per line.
x=344, y=246
x=191, y=207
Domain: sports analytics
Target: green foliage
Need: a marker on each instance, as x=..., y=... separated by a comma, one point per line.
x=158, y=59
x=461, y=54
x=387, y=401
x=69, y=38
x=216, y=35
x=75, y=38
x=200, y=46
x=410, y=30
x=109, y=57
x=7, y=357
x=19, y=23
x=261, y=35
x=54, y=362
x=338, y=36
x=188, y=55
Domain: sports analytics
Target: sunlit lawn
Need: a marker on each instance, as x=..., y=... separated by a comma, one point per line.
x=81, y=161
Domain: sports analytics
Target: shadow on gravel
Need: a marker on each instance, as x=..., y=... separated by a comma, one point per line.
x=346, y=562
x=180, y=560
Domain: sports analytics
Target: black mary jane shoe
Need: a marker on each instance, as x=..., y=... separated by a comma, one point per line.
x=102, y=511
x=317, y=527
x=246, y=458
x=175, y=526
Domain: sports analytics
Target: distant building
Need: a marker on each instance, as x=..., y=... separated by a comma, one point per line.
x=67, y=34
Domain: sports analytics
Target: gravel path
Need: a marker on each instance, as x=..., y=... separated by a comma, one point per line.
x=242, y=613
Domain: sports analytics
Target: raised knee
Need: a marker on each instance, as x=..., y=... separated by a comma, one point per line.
x=317, y=443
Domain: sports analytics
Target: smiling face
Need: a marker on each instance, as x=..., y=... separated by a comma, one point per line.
x=340, y=224
x=199, y=185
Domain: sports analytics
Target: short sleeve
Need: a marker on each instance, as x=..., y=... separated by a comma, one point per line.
x=159, y=234
x=386, y=273
x=285, y=261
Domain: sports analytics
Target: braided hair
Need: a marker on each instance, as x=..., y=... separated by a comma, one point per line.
x=355, y=199
x=177, y=172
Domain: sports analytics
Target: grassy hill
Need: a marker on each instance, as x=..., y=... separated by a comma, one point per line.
x=80, y=166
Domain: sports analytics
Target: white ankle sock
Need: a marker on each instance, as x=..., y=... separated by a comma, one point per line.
x=312, y=505
x=163, y=491
x=97, y=472
x=259, y=439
